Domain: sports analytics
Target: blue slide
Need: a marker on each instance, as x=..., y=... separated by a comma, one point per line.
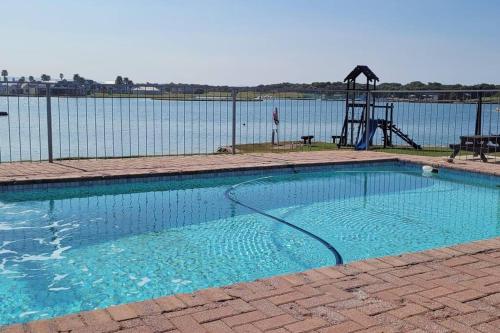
x=362, y=143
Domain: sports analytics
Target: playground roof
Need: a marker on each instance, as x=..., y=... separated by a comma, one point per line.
x=361, y=69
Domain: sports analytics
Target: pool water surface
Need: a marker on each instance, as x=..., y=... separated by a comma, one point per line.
x=74, y=248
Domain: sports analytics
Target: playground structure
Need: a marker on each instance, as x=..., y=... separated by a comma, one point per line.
x=361, y=111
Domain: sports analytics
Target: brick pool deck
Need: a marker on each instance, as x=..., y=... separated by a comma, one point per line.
x=147, y=166
x=454, y=289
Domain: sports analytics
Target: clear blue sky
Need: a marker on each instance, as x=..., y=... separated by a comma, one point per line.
x=240, y=42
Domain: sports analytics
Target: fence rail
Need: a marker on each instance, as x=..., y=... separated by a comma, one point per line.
x=46, y=121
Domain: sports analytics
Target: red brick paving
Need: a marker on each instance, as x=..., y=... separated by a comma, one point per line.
x=104, y=168
x=331, y=299
x=455, y=289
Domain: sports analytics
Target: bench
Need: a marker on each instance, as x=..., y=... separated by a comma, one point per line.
x=335, y=138
x=307, y=139
x=477, y=144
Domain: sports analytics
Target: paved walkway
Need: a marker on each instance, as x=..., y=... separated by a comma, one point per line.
x=454, y=289
x=85, y=169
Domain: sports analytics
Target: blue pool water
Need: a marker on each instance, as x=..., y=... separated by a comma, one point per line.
x=68, y=249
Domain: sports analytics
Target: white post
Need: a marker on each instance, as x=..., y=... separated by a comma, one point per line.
x=276, y=122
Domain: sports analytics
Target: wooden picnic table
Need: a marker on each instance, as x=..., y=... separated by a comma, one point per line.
x=307, y=139
x=478, y=144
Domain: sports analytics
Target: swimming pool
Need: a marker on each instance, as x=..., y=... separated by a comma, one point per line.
x=67, y=248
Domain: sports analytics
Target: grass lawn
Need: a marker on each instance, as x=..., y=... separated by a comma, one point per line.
x=289, y=146
x=428, y=151
x=284, y=147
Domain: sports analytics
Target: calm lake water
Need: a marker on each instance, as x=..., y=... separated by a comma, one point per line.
x=90, y=127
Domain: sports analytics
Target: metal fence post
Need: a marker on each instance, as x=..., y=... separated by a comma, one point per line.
x=233, y=143
x=367, y=119
x=479, y=115
x=49, y=123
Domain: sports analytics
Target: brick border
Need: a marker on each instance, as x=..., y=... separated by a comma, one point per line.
x=83, y=175
x=24, y=173
x=452, y=289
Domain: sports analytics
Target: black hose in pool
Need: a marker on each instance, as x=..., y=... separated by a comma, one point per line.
x=336, y=254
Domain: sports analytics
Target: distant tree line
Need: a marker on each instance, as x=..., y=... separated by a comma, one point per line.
x=325, y=87
x=331, y=86
x=314, y=87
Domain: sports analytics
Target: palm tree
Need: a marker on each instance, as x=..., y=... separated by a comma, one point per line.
x=127, y=81
x=5, y=74
x=78, y=79
x=61, y=76
x=119, y=80
x=45, y=77
x=31, y=78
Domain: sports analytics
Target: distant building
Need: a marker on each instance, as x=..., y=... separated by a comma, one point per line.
x=10, y=88
x=34, y=89
x=146, y=90
x=68, y=88
x=111, y=88
x=431, y=97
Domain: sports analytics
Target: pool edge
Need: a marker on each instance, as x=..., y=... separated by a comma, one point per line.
x=263, y=302
x=86, y=177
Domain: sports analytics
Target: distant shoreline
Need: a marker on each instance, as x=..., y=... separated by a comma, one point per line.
x=292, y=97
